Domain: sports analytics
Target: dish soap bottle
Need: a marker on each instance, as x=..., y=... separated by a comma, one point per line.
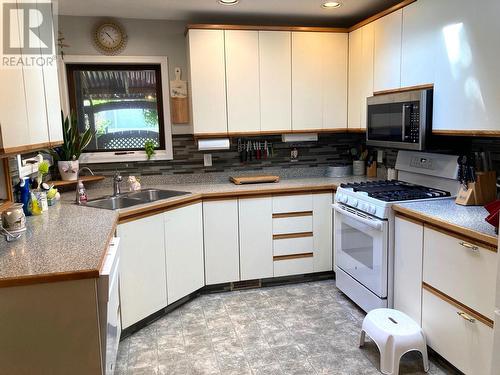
x=81, y=193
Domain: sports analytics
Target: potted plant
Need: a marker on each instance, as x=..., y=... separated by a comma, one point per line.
x=68, y=153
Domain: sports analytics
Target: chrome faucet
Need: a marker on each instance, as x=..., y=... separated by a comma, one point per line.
x=78, y=180
x=117, y=179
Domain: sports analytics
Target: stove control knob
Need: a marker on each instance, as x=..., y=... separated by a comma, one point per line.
x=353, y=202
x=363, y=206
x=372, y=209
x=342, y=198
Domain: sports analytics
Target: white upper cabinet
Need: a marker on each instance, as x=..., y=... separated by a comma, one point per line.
x=275, y=65
x=361, y=46
x=451, y=43
x=242, y=80
x=319, y=80
x=207, y=81
x=387, y=53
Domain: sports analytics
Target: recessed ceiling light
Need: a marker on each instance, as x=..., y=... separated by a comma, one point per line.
x=331, y=5
x=229, y=2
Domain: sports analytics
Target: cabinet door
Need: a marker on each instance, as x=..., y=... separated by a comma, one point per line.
x=408, y=244
x=275, y=64
x=35, y=95
x=307, y=81
x=322, y=232
x=184, y=251
x=207, y=81
x=387, y=53
x=455, y=53
x=143, y=282
x=360, y=74
x=242, y=76
x=256, y=238
x=220, y=228
x=334, y=80
x=13, y=113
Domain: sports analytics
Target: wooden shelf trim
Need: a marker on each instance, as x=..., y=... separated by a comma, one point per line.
x=82, y=178
x=468, y=133
x=292, y=214
x=381, y=14
x=409, y=218
x=201, y=26
x=473, y=313
x=292, y=256
x=277, y=132
x=292, y=235
x=405, y=89
x=484, y=240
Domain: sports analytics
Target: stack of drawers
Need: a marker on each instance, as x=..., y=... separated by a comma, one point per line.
x=293, y=243
x=459, y=276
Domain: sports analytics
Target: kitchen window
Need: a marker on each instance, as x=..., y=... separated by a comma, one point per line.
x=124, y=104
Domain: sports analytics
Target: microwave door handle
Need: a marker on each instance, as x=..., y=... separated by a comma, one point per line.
x=371, y=223
x=403, y=122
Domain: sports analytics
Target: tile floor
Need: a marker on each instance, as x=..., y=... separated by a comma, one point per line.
x=299, y=329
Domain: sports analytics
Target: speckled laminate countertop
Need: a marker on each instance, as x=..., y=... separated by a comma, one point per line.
x=69, y=241
x=466, y=220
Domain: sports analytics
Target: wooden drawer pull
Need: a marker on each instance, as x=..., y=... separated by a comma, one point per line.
x=469, y=246
x=466, y=317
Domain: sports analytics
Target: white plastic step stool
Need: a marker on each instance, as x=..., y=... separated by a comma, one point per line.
x=395, y=334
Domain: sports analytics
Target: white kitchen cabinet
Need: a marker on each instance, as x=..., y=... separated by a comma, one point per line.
x=242, y=80
x=275, y=66
x=184, y=251
x=143, y=282
x=221, y=241
x=207, y=81
x=449, y=43
x=467, y=345
x=256, y=238
x=361, y=45
x=408, y=255
x=319, y=80
x=387, y=51
x=322, y=232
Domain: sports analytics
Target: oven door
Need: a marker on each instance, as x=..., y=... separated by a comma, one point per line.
x=361, y=248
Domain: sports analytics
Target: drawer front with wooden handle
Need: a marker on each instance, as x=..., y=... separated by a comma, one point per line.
x=292, y=203
x=455, y=334
x=298, y=266
x=288, y=246
x=286, y=225
x=461, y=269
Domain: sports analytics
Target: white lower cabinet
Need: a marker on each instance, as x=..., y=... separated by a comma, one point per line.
x=222, y=251
x=184, y=251
x=143, y=282
x=287, y=267
x=256, y=238
x=322, y=232
x=467, y=345
x=408, y=242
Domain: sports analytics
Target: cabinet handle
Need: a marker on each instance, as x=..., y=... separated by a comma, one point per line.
x=469, y=246
x=466, y=317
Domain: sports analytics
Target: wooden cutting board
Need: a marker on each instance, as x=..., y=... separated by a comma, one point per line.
x=240, y=180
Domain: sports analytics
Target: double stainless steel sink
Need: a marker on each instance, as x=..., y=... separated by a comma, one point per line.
x=133, y=198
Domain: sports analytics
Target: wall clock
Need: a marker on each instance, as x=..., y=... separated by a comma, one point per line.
x=109, y=38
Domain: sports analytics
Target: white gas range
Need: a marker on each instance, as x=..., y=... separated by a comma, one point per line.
x=364, y=223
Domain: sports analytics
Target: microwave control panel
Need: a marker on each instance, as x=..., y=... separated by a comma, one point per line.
x=414, y=122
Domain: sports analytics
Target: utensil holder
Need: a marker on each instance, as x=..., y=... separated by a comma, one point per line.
x=478, y=193
x=358, y=167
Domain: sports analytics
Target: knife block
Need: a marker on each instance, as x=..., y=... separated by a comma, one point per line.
x=479, y=193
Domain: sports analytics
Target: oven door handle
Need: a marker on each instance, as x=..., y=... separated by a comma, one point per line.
x=375, y=224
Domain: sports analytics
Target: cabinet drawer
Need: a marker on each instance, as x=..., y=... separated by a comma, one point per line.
x=292, y=203
x=466, y=345
x=460, y=269
x=286, y=267
x=287, y=225
x=288, y=246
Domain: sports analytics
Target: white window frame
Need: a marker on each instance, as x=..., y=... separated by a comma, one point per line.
x=111, y=157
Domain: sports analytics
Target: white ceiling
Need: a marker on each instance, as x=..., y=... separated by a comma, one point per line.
x=262, y=12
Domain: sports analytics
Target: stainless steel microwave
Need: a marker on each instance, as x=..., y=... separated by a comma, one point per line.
x=399, y=120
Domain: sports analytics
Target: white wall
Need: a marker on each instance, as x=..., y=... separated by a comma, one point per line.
x=145, y=38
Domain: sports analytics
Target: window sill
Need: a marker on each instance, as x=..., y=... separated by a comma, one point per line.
x=130, y=156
